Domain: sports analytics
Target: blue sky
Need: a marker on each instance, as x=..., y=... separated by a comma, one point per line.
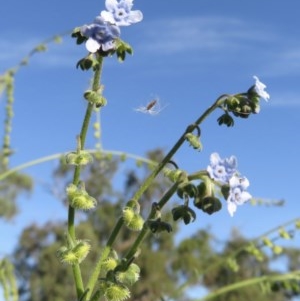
x=185, y=52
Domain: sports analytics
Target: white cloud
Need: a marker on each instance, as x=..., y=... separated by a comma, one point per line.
x=201, y=33
x=287, y=99
x=284, y=61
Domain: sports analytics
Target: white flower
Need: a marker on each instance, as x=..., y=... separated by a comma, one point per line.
x=260, y=89
x=221, y=169
x=237, y=194
x=120, y=13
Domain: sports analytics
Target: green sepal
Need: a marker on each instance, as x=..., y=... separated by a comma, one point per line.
x=87, y=63
x=121, y=49
x=79, y=158
x=185, y=213
x=285, y=234
x=157, y=226
x=95, y=98
x=78, y=36
x=194, y=141
x=174, y=175
x=187, y=188
x=204, y=189
x=209, y=205
x=226, y=119
x=225, y=189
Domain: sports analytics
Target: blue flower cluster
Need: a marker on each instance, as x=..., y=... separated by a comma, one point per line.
x=104, y=30
x=225, y=172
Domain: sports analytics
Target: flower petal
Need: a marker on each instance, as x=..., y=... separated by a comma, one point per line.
x=260, y=89
x=231, y=207
x=92, y=45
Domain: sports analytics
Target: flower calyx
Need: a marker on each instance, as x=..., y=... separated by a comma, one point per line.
x=193, y=139
x=79, y=198
x=187, y=190
x=185, y=213
x=75, y=253
x=243, y=104
x=208, y=204
x=80, y=157
x=157, y=226
x=132, y=219
x=226, y=119
x=95, y=97
x=175, y=175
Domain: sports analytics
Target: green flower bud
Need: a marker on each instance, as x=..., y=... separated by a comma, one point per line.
x=81, y=250
x=116, y=292
x=83, y=201
x=130, y=276
x=71, y=190
x=194, y=141
x=136, y=223
x=132, y=219
x=232, y=102
x=284, y=234
x=71, y=158
x=67, y=256
x=109, y=264
x=173, y=175
x=253, y=250
x=81, y=158
x=267, y=242
x=128, y=214
x=277, y=250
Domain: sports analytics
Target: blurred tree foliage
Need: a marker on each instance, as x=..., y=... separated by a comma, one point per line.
x=169, y=269
x=10, y=188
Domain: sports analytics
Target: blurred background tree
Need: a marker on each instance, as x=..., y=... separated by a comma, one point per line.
x=169, y=269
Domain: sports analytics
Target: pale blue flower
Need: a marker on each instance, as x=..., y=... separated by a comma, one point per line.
x=120, y=13
x=100, y=34
x=221, y=170
x=237, y=193
x=259, y=88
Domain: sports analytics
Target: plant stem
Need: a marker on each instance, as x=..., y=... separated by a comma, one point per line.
x=175, y=148
x=76, y=177
x=142, y=235
x=249, y=282
x=138, y=194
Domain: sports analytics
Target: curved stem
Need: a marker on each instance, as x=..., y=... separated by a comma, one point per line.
x=41, y=160
x=141, y=190
x=145, y=230
x=175, y=148
x=249, y=282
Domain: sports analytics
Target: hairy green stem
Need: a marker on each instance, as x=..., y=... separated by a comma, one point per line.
x=41, y=160
x=145, y=230
x=97, y=270
x=76, y=177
